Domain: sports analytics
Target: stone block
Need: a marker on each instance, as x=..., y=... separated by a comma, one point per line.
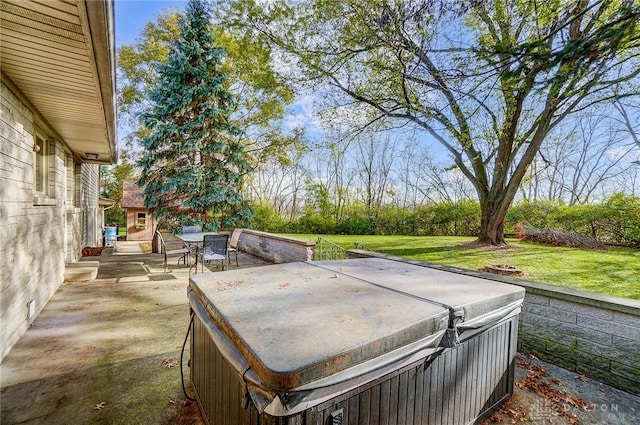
x=632, y=345
x=568, y=328
x=626, y=371
x=611, y=327
x=536, y=299
x=609, y=352
x=549, y=334
x=582, y=309
x=595, y=373
x=531, y=343
x=627, y=319
x=592, y=360
x=549, y=312
x=568, y=363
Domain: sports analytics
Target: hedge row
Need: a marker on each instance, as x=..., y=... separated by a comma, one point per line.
x=615, y=220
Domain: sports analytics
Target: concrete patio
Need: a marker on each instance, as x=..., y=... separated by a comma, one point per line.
x=107, y=351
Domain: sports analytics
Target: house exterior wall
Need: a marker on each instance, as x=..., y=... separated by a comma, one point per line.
x=73, y=211
x=38, y=233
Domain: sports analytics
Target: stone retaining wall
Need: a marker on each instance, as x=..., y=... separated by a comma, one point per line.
x=588, y=333
x=275, y=248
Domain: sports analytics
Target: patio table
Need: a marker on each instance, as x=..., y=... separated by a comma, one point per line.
x=192, y=240
x=196, y=238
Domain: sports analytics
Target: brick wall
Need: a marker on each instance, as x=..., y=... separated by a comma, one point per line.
x=588, y=333
x=275, y=248
x=31, y=226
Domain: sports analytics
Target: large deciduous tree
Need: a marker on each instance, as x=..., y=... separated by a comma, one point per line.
x=193, y=161
x=488, y=80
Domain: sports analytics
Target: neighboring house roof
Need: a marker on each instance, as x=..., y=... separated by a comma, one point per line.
x=132, y=195
x=58, y=57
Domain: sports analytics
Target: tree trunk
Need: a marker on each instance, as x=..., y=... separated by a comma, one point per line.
x=492, y=223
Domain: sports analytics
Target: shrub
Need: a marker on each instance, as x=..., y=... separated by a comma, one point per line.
x=540, y=214
x=353, y=224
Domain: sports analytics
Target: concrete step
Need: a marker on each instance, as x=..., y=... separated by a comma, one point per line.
x=81, y=271
x=95, y=264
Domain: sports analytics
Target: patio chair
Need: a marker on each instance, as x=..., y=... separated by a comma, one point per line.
x=233, y=245
x=169, y=250
x=192, y=247
x=191, y=229
x=214, y=248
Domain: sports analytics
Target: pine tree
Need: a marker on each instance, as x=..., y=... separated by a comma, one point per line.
x=193, y=161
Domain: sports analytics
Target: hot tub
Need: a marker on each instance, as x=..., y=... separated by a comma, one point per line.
x=360, y=341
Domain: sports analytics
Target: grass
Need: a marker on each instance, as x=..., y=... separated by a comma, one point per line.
x=615, y=271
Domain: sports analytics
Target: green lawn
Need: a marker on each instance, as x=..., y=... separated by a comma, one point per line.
x=615, y=271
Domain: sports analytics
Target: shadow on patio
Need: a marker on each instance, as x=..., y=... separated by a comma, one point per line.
x=107, y=350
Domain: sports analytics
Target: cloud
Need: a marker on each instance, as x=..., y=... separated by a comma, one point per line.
x=301, y=114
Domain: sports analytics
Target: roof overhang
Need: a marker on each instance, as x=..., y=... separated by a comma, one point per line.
x=59, y=58
x=106, y=203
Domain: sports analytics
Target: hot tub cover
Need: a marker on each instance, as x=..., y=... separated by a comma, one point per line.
x=296, y=323
x=299, y=333
x=473, y=302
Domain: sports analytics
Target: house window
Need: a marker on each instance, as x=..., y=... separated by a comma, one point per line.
x=141, y=220
x=41, y=171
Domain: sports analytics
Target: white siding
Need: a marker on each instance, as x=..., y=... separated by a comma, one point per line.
x=32, y=240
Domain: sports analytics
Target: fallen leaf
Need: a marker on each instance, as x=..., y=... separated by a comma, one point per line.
x=581, y=378
x=169, y=363
x=170, y=400
x=91, y=347
x=495, y=418
x=100, y=406
x=186, y=402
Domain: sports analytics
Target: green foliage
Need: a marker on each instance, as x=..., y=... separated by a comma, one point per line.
x=316, y=223
x=615, y=220
x=396, y=221
x=621, y=215
x=456, y=218
x=138, y=63
x=247, y=64
x=266, y=219
x=354, y=223
x=194, y=162
x=111, y=182
x=540, y=214
x=115, y=215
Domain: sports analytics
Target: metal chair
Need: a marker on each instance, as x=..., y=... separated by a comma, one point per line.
x=191, y=229
x=182, y=252
x=233, y=245
x=214, y=248
x=192, y=247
